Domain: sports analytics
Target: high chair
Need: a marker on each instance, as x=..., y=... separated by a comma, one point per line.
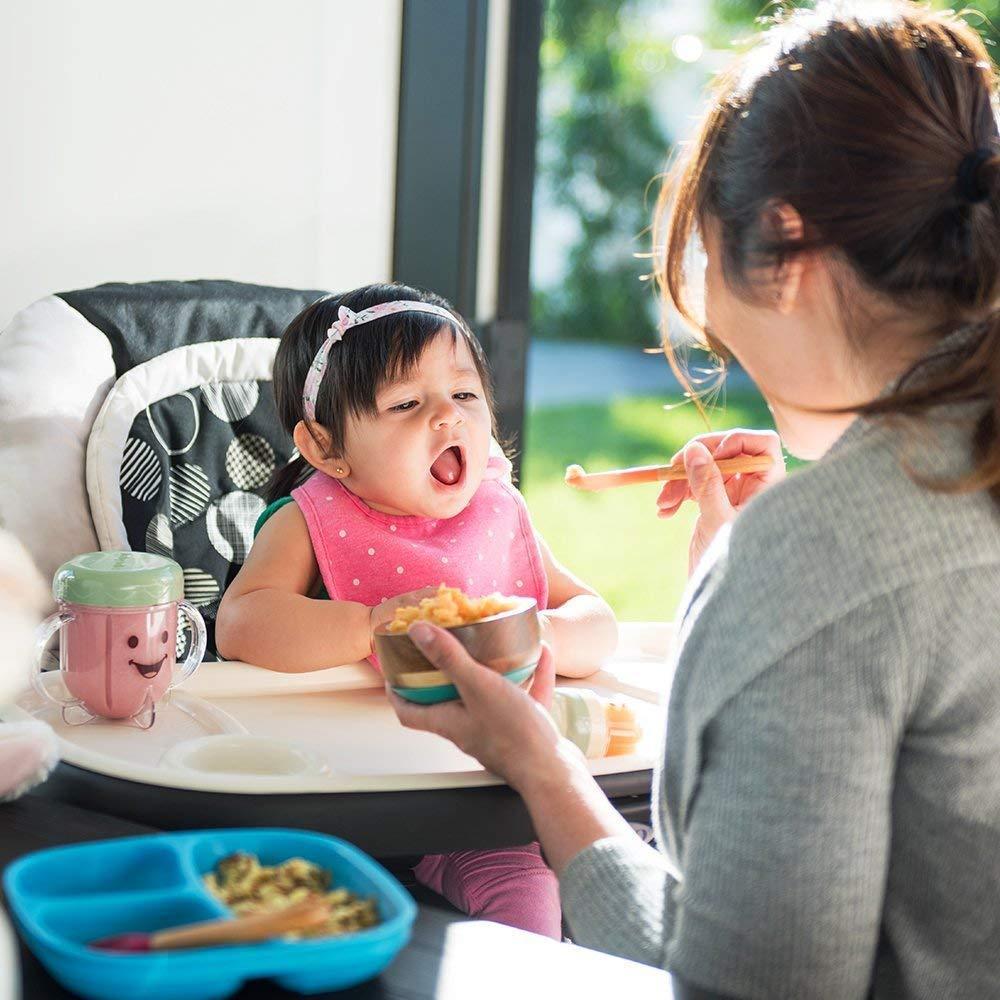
x=141, y=416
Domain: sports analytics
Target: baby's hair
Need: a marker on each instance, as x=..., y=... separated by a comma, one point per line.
x=368, y=358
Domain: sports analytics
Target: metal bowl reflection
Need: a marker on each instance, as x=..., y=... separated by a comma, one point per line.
x=505, y=642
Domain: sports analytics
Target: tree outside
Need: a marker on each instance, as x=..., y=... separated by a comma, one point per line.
x=621, y=80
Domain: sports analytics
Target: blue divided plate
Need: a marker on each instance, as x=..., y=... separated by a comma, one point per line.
x=448, y=692
x=64, y=897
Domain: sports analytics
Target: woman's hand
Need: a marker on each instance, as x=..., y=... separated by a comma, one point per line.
x=506, y=729
x=719, y=498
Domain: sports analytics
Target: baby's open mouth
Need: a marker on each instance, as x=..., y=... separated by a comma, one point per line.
x=448, y=466
x=149, y=670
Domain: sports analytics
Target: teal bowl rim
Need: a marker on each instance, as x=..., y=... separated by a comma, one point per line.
x=448, y=692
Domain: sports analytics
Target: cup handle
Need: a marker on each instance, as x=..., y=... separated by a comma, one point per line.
x=197, y=650
x=43, y=634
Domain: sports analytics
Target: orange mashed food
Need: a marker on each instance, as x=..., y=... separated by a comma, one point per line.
x=450, y=607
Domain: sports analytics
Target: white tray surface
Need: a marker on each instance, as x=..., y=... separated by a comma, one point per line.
x=341, y=720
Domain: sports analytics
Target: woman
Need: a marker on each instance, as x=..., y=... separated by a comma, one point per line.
x=829, y=799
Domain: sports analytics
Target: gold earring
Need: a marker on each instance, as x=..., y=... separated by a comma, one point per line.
x=340, y=470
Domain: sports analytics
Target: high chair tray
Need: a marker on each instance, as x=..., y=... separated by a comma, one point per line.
x=640, y=645
x=65, y=897
x=336, y=761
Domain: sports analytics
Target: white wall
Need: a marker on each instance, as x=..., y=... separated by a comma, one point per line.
x=244, y=139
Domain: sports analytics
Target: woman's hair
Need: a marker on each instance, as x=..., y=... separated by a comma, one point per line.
x=369, y=357
x=876, y=121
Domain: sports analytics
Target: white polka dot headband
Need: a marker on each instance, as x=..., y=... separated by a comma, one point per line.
x=347, y=320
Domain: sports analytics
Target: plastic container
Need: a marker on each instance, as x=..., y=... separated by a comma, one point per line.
x=598, y=726
x=64, y=897
x=118, y=617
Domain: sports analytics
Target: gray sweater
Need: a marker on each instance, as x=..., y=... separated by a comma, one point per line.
x=829, y=797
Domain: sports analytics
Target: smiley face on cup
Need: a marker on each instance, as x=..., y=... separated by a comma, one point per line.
x=151, y=669
x=118, y=612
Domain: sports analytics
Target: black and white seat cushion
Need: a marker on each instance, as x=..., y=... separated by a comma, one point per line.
x=167, y=388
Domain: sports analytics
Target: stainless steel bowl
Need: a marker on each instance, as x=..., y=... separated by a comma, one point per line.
x=504, y=642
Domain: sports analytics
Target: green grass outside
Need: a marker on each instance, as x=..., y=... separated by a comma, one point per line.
x=614, y=540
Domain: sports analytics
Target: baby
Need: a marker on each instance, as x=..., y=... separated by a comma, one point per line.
x=387, y=395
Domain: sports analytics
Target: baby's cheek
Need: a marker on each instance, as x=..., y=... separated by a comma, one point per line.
x=401, y=474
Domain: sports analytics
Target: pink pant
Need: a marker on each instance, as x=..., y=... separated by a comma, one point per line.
x=512, y=886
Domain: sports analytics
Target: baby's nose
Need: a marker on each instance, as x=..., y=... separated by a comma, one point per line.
x=447, y=414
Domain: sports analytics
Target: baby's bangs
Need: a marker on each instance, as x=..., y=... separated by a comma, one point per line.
x=408, y=342
x=380, y=353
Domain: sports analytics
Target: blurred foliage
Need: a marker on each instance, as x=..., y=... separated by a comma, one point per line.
x=984, y=15
x=602, y=146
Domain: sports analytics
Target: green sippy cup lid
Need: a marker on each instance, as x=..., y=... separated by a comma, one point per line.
x=118, y=580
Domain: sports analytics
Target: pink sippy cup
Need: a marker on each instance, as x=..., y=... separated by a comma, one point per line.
x=117, y=651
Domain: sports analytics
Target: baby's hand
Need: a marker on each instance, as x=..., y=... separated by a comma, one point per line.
x=386, y=611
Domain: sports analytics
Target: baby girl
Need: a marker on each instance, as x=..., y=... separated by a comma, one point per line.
x=387, y=395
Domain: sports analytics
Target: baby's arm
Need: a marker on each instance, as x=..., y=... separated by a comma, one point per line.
x=268, y=619
x=579, y=625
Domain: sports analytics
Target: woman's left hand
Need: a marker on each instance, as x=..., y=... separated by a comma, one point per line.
x=506, y=729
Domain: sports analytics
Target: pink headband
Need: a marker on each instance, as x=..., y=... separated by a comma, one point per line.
x=347, y=320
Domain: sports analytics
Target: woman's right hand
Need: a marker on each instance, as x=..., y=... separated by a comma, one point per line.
x=720, y=498
x=507, y=729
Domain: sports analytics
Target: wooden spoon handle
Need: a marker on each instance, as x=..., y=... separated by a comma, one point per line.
x=256, y=927
x=575, y=476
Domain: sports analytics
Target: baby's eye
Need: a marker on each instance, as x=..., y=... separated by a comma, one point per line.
x=465, y=395
x=403, y=407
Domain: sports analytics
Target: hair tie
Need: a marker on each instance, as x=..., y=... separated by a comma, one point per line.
x=968, y=183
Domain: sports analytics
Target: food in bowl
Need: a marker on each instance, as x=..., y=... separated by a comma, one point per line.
x=449, y=608
x=506, y=639
x=246, y=886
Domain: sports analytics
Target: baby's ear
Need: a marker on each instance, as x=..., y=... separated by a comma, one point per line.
x=313, y=443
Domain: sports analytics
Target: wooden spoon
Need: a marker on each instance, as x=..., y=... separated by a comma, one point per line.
x=230, y=930
x=594, y=481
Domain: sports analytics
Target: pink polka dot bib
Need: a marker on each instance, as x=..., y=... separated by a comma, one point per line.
x=370, y=557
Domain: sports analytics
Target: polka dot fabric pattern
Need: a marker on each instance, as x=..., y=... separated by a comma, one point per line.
x=194, y=470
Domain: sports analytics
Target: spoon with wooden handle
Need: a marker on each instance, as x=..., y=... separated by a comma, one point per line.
x=594, y=481
x=230, y=930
